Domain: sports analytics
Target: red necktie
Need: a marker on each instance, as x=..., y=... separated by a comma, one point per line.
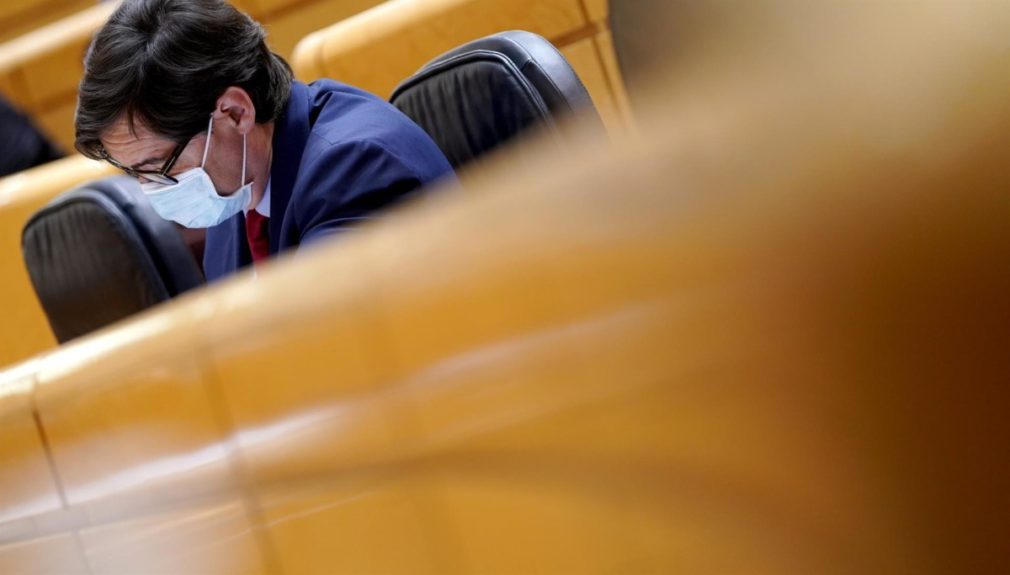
x=257, y=234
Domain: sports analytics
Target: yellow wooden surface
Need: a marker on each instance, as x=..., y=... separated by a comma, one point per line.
x=287, y=22
x=44, y=67
x=27, y=487
x=212, y=539
x=392, y=531
x=52, y=555
x=12, y=89
x=379, y=48
x=734, y=346
x=251, y=7
x=175, y=508
x=130, y=400
x=597, y=9
x=49, y=78
x=54, y=52
x=24, y=330
x=306, y=59
x=29, y=493
x=14, y=7
x=18, y=17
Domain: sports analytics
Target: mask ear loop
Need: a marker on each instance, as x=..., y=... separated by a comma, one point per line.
x=206, y=145
x=242, y=183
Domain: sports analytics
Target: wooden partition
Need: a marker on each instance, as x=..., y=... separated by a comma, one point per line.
x=736, y=346
x=18, y=17
x=381, y=47
x=40, y=71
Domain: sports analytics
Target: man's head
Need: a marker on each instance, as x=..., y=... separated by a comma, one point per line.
x=159, y=69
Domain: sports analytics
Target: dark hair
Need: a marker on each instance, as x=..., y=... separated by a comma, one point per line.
x=165, y=63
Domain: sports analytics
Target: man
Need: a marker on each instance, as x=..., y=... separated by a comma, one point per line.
x=186, y=96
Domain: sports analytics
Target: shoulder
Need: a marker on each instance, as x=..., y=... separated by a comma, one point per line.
x=343, y=116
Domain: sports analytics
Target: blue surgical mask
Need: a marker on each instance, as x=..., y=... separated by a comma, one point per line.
x=194, y=202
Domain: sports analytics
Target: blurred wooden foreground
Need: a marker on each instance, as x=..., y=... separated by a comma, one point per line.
x=767, y=336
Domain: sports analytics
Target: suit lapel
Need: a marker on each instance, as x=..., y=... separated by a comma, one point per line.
x=291, y=132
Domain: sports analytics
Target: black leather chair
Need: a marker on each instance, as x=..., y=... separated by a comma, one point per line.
x=473, y=99
x=100, y=253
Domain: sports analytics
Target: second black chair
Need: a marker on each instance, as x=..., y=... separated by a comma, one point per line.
x=483, y=94
x=100, y=253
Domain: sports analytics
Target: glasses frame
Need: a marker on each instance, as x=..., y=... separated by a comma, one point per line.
x=159, y=176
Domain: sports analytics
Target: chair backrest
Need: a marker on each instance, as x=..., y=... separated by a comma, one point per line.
x=476, y=97
x=100, y=253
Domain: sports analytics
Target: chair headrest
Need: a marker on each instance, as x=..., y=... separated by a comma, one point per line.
x=100, y=253
x=478, y=96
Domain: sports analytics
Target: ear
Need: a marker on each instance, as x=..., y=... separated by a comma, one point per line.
x=237, y=109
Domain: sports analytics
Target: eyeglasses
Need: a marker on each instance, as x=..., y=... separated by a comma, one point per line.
x=160, y=175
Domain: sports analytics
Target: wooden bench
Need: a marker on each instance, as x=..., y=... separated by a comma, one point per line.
x=18, y=17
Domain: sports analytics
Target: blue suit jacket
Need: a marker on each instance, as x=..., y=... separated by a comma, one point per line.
x=339, y=154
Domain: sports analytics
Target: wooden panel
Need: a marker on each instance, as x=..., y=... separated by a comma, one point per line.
x=40, y=15
x=53, y=76
x=498, y=430
x=306, y=58
x=253, y=8
x=13, y=88
x=274, y=6
x=12, y=8
x=383, y=46
x=46, y=556
x=597, y=10
x=508, y=523
x=27, y=486
x=51, y=57
x=211, y=539
x=369, y=523
x=565, y=444
x=335, y=362
x=286, y=28
x=163, y=442
x=316, y=432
